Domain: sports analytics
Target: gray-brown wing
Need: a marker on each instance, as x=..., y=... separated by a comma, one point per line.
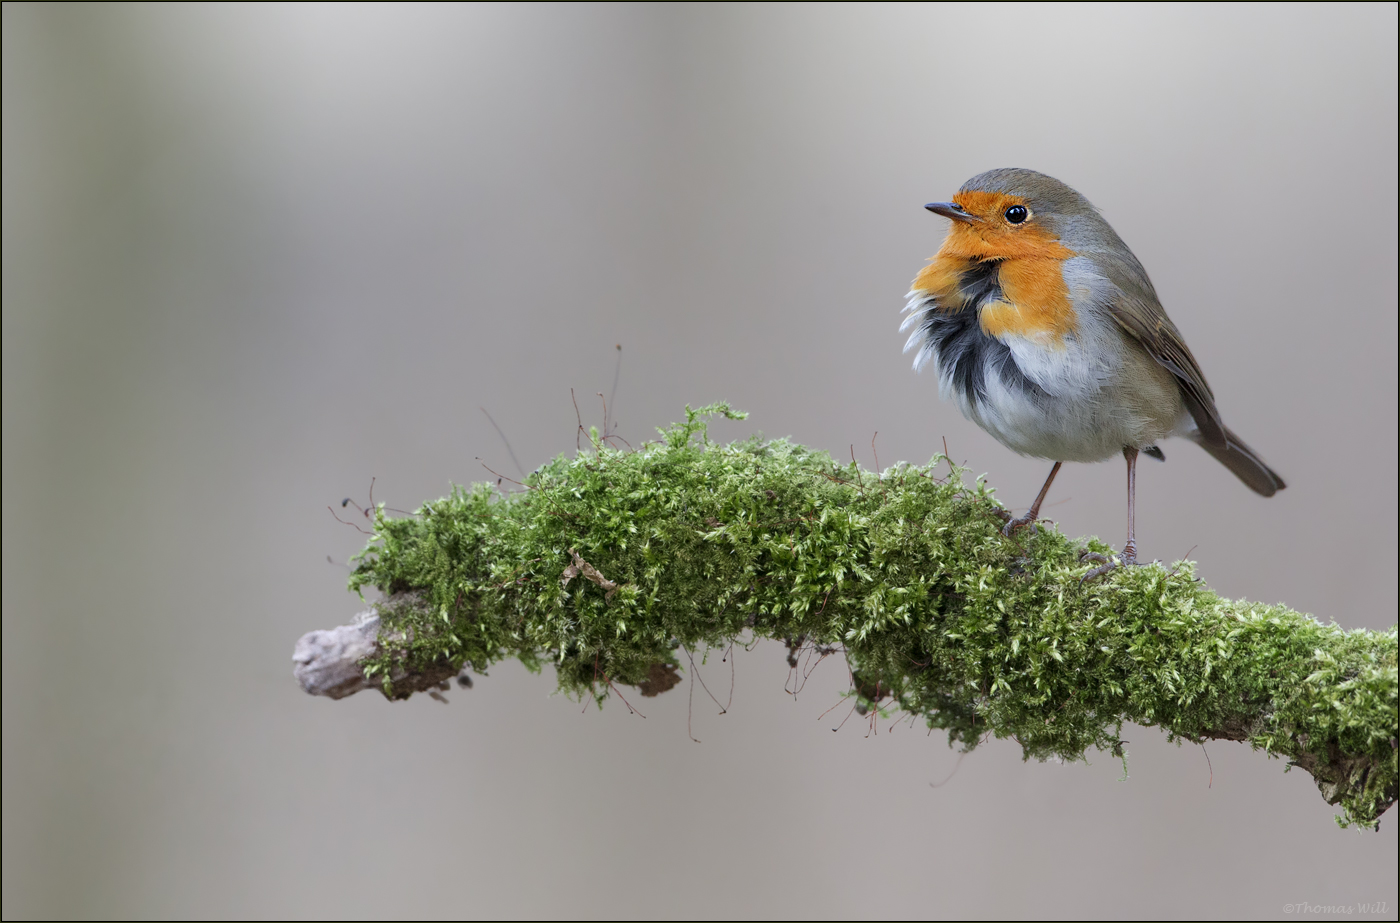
x=1140, y=314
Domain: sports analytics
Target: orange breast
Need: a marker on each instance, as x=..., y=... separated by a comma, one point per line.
x=940, y=278
x=1035, y=302
x=1035, y=299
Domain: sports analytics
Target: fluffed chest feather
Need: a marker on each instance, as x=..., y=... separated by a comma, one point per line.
x=1021, y=360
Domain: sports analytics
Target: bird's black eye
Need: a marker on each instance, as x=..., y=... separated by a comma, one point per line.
x=1017, y=213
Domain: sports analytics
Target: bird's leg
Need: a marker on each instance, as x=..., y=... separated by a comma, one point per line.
x=1129, y=555
x=1034, y=512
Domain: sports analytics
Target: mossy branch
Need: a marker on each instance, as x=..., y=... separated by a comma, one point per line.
x=611, y=564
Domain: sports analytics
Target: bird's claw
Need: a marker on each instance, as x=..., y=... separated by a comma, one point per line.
x=1107, y=563
x=1022, y=522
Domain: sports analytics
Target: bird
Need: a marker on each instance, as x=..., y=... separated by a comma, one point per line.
x=1046, y=331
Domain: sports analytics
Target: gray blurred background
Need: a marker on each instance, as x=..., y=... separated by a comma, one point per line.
x=255, y=256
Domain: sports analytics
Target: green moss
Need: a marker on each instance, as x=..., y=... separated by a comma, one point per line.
x=938, y=614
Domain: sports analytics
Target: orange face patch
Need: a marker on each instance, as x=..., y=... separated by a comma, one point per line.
x=1035, y=299
x=995, y=238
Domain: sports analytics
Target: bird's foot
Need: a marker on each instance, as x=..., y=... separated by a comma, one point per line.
x=1020, y=522
x=1108, y=564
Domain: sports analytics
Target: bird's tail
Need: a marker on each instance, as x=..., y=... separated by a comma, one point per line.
x=1246, y=465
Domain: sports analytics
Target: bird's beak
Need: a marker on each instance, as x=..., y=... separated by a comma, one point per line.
x=952, y=210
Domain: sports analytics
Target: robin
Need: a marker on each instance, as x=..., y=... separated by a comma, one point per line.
x=1045, y=329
